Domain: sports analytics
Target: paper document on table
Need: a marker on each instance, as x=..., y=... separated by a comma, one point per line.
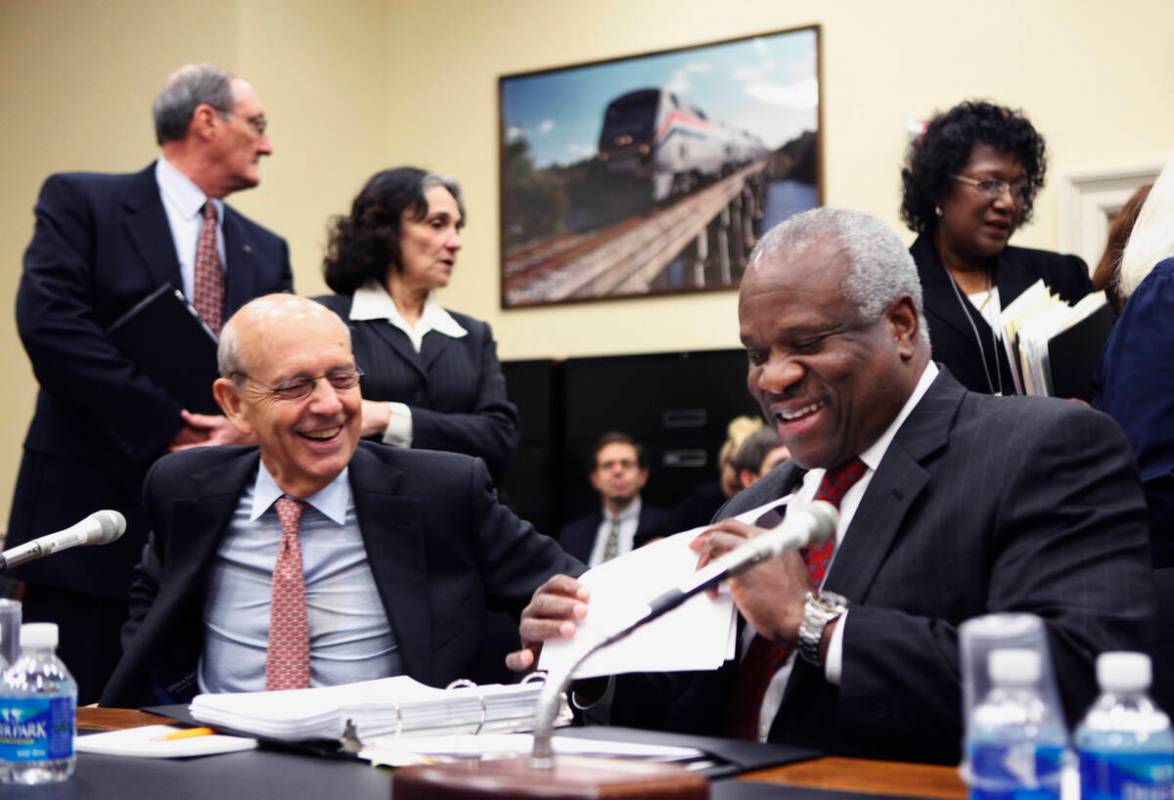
x=699, y=635
x=152, y=741
x=398, y=752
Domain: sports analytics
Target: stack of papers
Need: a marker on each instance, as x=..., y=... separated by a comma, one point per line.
x=152, y=741
x=401, y=752
x=385, y=707
x=1046, y=362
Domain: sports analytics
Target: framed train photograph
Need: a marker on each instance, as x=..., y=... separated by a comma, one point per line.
x=655, y=174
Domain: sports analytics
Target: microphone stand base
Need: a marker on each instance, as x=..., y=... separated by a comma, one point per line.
x=571, y=778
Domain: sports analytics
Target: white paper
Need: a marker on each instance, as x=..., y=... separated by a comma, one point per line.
x=397, y=752
x=698, y=635
x=149, y=741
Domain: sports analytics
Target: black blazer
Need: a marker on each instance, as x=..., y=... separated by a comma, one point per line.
x=441, y=547
x=578, y=536
x=951, y=336
x=1058, y=529
x=101, y=244
x=454, y=387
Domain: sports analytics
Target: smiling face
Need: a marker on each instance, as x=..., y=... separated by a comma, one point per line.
x=428, y=246
x=830, y=381
x=304, y=443
x=972, y=225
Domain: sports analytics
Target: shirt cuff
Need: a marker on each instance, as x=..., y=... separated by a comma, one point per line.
x=834, y=662
x=399, y=428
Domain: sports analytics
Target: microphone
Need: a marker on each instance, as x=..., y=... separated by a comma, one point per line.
x=811, y=526
x=101, y=527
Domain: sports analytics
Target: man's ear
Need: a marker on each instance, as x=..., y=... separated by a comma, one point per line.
x=904, y=324
x=204, y=122
x=228, y=396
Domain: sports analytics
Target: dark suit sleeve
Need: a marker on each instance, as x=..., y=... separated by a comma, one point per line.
x=514, y=558
x=489, y=430
x=72, y=356
x=1066, y=542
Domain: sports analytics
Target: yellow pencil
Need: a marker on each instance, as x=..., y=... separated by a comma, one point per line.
x=186, y=733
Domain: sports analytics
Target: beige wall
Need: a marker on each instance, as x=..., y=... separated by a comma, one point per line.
x=356, y=85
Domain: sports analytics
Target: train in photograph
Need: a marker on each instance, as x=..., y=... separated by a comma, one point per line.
x=654, y=135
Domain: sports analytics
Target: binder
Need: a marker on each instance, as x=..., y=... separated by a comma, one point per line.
x=164, y=338
x=1076, y=352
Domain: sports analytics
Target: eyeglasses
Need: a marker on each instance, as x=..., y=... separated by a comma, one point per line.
x=258, y=123
x=993, y=189
x=341, y=380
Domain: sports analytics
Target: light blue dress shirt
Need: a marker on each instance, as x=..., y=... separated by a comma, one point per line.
x=350, y=638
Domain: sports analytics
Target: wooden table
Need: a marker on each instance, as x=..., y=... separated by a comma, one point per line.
x=844, y=774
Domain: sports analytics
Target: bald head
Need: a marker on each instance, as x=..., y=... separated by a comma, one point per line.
x=258, y=320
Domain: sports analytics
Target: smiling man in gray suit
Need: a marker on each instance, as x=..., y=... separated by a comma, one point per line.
x=953, y=505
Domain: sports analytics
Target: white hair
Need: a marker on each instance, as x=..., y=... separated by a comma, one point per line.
x=283, y=308
x=1152, y=239
x=880, y=268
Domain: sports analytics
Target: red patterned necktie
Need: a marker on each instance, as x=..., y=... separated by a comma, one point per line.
x=763, y=657
x=208, y=281
x=287, y=665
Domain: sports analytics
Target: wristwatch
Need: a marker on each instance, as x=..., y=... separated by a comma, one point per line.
x=819, y=609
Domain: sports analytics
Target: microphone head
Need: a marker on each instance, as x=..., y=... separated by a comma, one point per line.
x=112, y=525
x=826, y=518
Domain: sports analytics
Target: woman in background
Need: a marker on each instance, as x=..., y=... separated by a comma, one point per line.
x=1104, y=277
x=431, y=376
x=969, y=182
x=1137, y=370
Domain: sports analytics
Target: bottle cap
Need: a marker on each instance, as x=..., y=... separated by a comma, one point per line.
x=1124, y=672
x=1014, y=667
x=38, y=634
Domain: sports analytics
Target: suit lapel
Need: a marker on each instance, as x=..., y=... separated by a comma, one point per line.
x=938, y=293
x=150, y=232
x=898, y=481
x=393, y=534
x=240, y=271
x=1012, y=279
x=400, y=343
x=433, y=347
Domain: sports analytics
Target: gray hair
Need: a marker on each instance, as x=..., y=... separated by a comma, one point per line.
x=1152, y=239
x=186, y=88
x=880, y=268
x=282, y=305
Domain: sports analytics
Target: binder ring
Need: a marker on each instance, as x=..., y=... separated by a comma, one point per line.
x=465, y=683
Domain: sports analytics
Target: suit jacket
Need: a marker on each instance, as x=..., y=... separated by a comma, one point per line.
x=1136, y=387
x=951, y=335
x=101, y=244
x=441, y=547
x=1046, y=517
x=578, y=536
x=454, y=387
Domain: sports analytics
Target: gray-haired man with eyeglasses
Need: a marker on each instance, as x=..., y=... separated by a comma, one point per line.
x=396, y=553
x=103, y=243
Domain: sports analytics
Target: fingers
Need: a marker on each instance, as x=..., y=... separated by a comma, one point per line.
x=553, y=611
x=522, y=660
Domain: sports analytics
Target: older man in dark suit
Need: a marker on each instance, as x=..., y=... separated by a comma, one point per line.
x=952, y=504
x=315, y=559
x=103, y=243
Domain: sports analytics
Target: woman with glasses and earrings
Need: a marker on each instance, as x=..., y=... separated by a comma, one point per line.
x=969, y=182
x=431, y=378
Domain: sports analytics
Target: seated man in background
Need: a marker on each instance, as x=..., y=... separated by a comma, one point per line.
x=952, y=505
x=761, y=452
x=319, y=559
x=624, y=520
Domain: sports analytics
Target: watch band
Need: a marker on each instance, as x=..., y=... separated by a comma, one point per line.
x=819, y=609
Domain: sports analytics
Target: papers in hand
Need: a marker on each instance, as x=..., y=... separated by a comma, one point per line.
x=385, y=707
x=699, y=635
x=149, y=741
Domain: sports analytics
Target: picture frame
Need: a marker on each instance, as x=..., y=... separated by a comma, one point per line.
x=655, y=174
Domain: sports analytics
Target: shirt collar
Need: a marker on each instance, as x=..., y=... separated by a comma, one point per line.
x=181, y=193
x=873, y=455
x=372, y=301
x=331, y=500
x=631, y=512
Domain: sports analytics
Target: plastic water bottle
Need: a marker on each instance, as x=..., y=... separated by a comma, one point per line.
x=1016, y=744
x=1125, y=745
x=38, y=701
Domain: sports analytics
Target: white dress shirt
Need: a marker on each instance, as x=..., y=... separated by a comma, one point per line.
x=372, y=302
x=872, y=457
x=182, y=201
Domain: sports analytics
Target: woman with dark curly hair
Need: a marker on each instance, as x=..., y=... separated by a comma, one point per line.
x=431, y=376
x=969, y=182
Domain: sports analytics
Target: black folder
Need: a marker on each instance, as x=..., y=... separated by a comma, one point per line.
x=1075, y=353
x=164, y=338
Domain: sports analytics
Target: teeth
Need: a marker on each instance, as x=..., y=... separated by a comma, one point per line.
x=799, y=412
x=326, y=434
